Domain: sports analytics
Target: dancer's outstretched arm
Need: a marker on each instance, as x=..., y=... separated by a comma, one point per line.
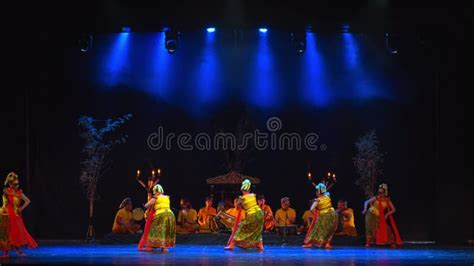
x=366, y=204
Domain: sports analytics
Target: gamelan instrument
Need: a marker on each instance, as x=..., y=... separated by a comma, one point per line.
x=225, y=220
x=138, y=214
x=286, y=230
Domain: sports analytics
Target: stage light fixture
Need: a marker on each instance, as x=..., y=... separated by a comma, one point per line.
x=298, y=41
x=263, y=30
x=171, y=40
x=85, y=43
x=392, y=43
x=210, y=30
x=346, y=28
x=126, y=29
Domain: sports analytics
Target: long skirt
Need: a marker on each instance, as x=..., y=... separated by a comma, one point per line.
x=4, y=225
x=162, y=231
x=323, y=229
x=371, y=228
x=13, y=233
x=249, y=231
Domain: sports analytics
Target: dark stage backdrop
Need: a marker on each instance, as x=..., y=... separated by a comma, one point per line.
x=342, y=86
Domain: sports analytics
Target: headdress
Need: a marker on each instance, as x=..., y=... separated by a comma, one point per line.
x=10, y=177
x=321, y=188
x=246, y=185
x=385, y=188
x=158, y=188
x=285, y=200
x=125, y=202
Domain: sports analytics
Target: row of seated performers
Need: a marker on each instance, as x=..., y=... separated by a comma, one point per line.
x=209, y=219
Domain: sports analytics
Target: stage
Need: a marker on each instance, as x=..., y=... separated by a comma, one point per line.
x=187, y=254
x=335, y=117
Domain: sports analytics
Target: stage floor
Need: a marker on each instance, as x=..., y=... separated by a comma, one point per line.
x=213, y=254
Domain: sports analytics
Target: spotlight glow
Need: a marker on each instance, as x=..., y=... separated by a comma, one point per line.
x=263, y=30
x=210, y=30
x=346, y=28
x=126, y=29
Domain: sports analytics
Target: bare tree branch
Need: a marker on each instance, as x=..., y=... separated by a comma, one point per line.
x=368, y=162
x=97, y=145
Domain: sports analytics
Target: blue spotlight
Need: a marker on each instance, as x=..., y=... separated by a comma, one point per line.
x=116, y=59
x=210, y=30
x=263, y=30
x=126, y=29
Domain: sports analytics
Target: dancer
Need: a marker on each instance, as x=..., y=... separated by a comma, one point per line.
x=248, y=233
x=376, y=229
x=13, y=233
x=326, y=223
x=329, y=182
x=162, y=233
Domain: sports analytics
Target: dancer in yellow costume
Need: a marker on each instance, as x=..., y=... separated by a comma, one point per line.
x=162, y=232
x=248, y=233
x=326, y=224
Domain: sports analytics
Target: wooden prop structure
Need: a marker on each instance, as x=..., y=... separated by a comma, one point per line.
x=228, y=185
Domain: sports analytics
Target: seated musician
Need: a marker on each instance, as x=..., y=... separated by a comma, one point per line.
x=187, y=219
x=269, y=220
x=206, y=217
x=124, y=223
x=235, y=210
x=225, y=219
x=346, y=226
x=308, y=216
x=285, y=215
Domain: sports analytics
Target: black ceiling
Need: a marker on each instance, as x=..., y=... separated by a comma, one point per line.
x=374, y=15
